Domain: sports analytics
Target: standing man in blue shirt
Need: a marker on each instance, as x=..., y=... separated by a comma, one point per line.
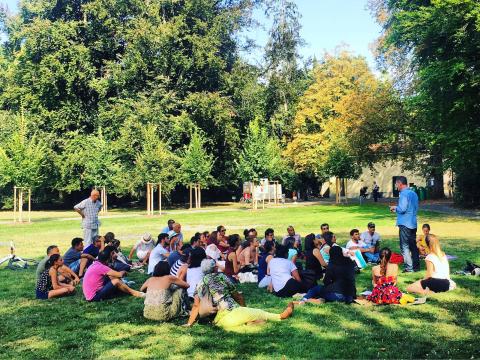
x=406, y=211
x=88, y=210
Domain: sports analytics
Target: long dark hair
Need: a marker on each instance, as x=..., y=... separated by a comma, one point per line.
x=51, y=260
x=385, y=255
x=309, y=242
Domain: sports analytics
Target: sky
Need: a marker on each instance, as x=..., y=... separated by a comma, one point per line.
x=325, y=25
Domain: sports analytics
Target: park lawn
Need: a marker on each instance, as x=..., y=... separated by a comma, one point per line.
x=446, y=327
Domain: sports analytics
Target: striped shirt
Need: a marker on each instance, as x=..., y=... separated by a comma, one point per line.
x=174, y=269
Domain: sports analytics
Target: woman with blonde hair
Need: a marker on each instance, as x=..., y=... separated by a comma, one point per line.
x=437, y=277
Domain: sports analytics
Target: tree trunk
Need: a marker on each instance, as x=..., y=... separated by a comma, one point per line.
x=436, y=163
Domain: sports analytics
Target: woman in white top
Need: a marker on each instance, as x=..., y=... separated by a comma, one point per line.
x=437, y=278
x=143, y=247
x=194, y=270
x=286, y=280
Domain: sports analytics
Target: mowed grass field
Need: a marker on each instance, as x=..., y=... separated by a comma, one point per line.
x=447, y=326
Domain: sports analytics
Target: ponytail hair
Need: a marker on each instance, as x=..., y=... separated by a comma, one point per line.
x=51, y=260
x=385, y=255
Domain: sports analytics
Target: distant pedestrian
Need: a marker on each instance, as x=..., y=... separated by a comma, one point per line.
x=88, y=210
x=407, y=223
x=375, y=191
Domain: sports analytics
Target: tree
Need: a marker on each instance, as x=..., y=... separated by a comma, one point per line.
x=196, y=165
x=286, y=80
x=261, y=157
x=337, y=118
x=24, y=160
x=440, y=40
x=155, y=163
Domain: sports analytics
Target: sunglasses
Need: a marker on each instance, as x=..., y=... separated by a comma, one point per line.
x=223, y=230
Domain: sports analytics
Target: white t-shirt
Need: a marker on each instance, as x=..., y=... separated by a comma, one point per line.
x=143, y=248
x=280, y=271
x=157, y=255
x=442, y=267
x=351, y=244
x=194, y=275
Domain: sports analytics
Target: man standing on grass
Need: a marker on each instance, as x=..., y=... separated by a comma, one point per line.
x=407, y=223
x=88, y=210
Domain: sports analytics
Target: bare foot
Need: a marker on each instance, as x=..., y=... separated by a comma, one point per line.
x=287, y=312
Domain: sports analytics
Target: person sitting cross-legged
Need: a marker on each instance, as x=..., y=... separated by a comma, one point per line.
x=163, y=301
x=384, y=279
x=48, y=284
x=371, y=238
x=437, y=277
x=422, y=246
x=90, y=253
x=101, y=282
x=65, y=274
x=267, y=254
x=159, y=253
x=143, y=248
x=229, y=304
x=286, y=280
x=356, y=244
x=73, y=256
x=339, y=280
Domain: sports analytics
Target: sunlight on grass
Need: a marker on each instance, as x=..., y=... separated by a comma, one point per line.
x=32, y=343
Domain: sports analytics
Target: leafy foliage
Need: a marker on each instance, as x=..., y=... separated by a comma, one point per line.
x=197, y=164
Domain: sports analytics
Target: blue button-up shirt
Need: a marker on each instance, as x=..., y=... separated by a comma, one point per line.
x=407, y=209
x=90, y=209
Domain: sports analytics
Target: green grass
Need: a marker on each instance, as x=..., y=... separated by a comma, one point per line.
x=446, y=327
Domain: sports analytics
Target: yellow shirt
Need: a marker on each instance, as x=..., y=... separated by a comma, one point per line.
x=423, y=243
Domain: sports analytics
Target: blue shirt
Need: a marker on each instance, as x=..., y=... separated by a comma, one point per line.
x=407, y=209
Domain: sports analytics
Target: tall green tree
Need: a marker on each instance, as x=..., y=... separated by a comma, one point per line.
x=196, y=164
x=438, y=42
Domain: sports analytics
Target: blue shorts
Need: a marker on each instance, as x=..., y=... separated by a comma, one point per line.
x=108, y=291
x=41, y=295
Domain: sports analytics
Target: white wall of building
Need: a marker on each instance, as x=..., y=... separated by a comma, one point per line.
x=383, y=175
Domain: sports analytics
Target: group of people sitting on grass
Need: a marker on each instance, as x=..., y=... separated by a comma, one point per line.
x=199, y=277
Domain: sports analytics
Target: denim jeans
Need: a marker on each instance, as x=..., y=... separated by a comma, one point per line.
x=408, y=247
x=372, y=257
x=318, y=292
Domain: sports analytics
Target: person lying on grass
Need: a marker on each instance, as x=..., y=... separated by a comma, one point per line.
x=48, y=284
x=101, y=282
x=339, y=280
x=163, y=301
x=437, y=277
x=231, y=311
x=65, y=274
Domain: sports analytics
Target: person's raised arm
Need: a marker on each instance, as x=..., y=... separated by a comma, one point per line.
x=194, y=312
x=79, y=208
x=88, y=256
x=175, y=280
x=319, y=257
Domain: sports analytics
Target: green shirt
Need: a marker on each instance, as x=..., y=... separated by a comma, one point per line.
x=41, y=266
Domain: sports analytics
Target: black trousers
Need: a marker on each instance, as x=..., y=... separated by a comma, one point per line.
x=291, y=288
